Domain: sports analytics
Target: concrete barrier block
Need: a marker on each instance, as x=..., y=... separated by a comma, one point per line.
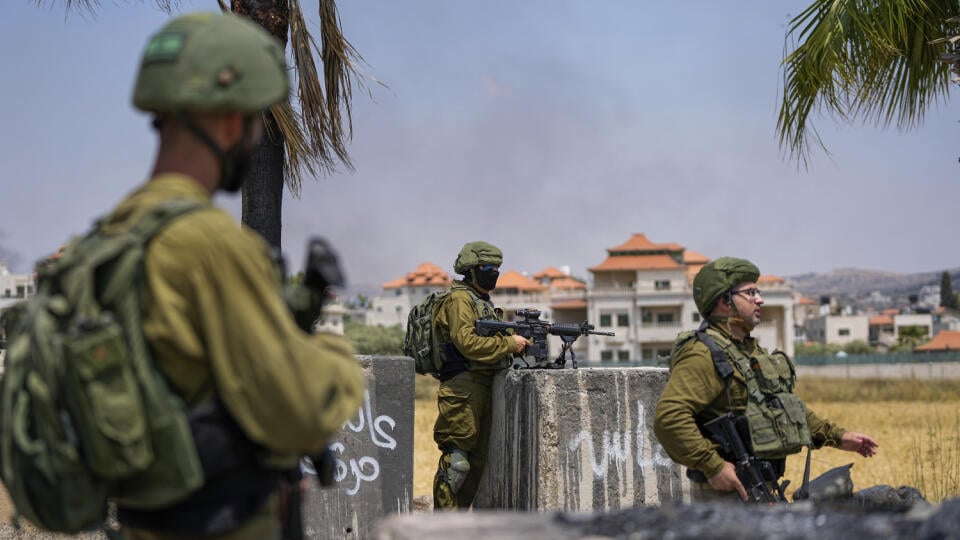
x=578, y=440
x=374, y=453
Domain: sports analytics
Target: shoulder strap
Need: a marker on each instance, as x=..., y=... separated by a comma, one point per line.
x=159, y=216
x=144, y=230
x=478, y=303
x=724, y=367
x=720, y=360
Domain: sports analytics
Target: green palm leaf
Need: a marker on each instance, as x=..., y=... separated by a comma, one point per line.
x=877, y=61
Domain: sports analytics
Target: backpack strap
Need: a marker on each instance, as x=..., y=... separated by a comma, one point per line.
x=160, y=215
x=725, y=366
x=720, y=360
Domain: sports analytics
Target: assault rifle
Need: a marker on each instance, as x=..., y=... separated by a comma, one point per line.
x=532, y=328
x=755, y=475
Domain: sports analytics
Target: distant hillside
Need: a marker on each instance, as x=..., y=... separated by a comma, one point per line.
x=857, y=282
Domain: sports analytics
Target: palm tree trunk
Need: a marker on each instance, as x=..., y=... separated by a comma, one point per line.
x=263, y=188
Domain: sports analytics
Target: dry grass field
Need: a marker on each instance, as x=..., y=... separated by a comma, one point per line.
x=917, y=424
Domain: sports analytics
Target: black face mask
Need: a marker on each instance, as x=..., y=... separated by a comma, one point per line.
x=237, y=161
x=236, y=164
x=486, y=280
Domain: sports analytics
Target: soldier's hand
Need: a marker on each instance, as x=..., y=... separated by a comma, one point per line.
x=520, y=343
x=726, y=480
x=859, y=443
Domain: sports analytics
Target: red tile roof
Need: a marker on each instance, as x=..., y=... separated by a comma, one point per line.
x=692, y=257
x=946, y=340
x=516, y=280
x=881, y=320
x=639, y=253
x=427, y=274
x=639, y=242
x=567, y=283
x=770, y=280
x=637, y=262
x=804, y=301
x=550, y=273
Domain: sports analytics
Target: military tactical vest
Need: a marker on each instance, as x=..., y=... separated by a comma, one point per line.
x=451, y=356
x=420, y=340
x=776, y=416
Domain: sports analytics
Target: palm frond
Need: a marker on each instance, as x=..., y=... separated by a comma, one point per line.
x=91, y=6
x=868, y=60
x=318, y=131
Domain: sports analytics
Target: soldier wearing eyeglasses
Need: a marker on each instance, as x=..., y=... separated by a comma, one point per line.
x=470, y=361
x=720, y=368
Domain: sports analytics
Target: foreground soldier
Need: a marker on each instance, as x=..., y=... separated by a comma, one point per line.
x=760, y=386
x=214, y=316
x=462, y=430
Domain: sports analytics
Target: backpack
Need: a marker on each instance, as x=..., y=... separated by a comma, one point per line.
x=420, y=341
x=85, y=415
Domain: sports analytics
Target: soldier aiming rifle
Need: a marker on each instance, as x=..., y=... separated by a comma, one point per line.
x=532, y=328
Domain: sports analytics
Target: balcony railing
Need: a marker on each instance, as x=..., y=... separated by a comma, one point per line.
x=611, y=291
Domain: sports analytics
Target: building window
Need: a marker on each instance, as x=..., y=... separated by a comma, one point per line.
x=662, y=285
x=623, y=320
x=664, y=318
x=623, y=356
x=605, y=320
x=843, y=332
x=606, y=356
x=20, y=291
x=647, y=354
x=399, y=292
x=695, y=317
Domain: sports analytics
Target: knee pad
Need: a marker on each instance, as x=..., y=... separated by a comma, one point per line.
x=459, y=467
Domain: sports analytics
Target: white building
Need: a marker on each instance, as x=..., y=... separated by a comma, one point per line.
x=400, y=295
x=921, y=321
x=14, y=287
x=642, y=292
x=838, y=329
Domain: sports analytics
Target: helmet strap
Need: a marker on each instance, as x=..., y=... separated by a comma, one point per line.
x=232, y=161
x=734, y=319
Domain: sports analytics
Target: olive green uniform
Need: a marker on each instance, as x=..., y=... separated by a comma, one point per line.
x=465, y=410
x=216, y=322
x=695, y=394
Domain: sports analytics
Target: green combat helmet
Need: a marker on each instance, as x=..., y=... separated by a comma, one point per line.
x=474, y=253
x=719, y=276
x=212, y=63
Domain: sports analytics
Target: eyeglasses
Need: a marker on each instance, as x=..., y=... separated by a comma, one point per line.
x=488, y=267
x=751, y=293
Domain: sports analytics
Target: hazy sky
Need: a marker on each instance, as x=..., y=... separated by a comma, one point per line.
x=554, y=129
